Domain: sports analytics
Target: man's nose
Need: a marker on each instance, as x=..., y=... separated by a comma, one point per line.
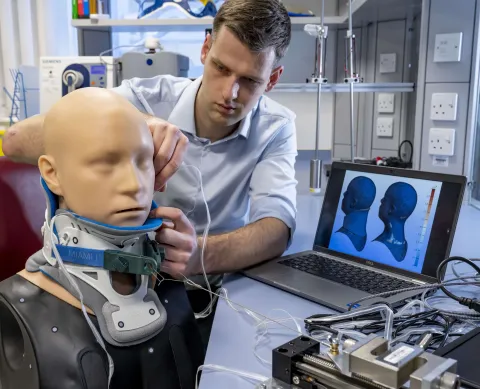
x=231, y=88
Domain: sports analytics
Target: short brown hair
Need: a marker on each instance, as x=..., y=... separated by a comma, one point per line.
x=258, y=24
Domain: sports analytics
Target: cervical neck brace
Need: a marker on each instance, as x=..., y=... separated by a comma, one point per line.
x=82, y=244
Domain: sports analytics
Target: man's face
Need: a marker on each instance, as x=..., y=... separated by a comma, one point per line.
x=108, y=175
x=234, y=77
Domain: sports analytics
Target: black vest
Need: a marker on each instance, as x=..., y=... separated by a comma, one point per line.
x=46, y=343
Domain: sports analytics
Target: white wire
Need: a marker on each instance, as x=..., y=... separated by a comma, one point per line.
x=100, y=56
x=209, y=309
x=243, y=374
x=70, y=279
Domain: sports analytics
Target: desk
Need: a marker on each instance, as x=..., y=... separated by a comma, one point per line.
x=233, y=334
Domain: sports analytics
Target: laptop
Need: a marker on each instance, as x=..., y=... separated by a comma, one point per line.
x=380, y=229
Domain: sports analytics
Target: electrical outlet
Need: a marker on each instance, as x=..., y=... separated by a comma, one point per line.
x=448, y=47
x=386, y=103
x=444, y=106
x=388, y=63
x=385, y=127
x=441, y=141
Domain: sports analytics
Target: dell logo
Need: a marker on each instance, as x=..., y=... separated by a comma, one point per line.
x=369, y=263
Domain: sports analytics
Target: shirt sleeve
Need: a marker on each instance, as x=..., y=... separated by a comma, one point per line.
x=273, y=187
x=127, y=90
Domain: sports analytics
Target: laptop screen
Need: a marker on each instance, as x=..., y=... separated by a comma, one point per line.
x=390, y=217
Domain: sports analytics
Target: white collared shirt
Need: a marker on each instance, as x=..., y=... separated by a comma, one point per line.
x=246, y=177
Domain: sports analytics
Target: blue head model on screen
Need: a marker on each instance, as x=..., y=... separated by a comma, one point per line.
x=398, y=204
x=357, y=200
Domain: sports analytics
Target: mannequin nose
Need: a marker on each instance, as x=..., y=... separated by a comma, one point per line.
x=130, y=181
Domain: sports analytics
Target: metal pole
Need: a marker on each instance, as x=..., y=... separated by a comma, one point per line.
x=352, y=129
x=316, y=163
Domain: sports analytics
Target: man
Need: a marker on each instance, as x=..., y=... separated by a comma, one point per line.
x=243, y=143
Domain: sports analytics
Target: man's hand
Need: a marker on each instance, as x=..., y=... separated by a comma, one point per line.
x=170, y=145
x=179, y=239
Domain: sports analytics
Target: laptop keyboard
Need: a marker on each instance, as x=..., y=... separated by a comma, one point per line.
x=345, y=274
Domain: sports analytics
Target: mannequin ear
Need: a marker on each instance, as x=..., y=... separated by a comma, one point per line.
x=48, y=170
x=392, y=209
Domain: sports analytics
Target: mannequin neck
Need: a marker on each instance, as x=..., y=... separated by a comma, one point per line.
x=122, y=283
x=356, y=222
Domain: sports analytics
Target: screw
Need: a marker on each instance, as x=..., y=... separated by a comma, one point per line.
x=120, y=324
x=150, y=350
x=22, y=300
x=333, y=345
x=296, y=380
x=166, y=301
x=152, y=311
x=54, y=329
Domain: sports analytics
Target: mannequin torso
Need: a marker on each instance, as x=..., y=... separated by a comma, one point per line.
x=64, y=353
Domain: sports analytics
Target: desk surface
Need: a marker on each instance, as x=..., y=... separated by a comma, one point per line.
x=233, y=334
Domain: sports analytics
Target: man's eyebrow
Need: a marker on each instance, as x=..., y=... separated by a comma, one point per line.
x=255, y=78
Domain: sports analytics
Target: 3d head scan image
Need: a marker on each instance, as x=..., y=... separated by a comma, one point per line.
x=357, y=200
x=397, y=205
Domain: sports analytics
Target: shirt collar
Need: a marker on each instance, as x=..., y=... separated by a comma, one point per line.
x=183, y=114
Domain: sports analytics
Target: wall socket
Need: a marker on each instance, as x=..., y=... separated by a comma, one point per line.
x=441, y=141
x=388, y=63
x=386, y=103
x=385, y=127
x=444, y=106
x=448, y=47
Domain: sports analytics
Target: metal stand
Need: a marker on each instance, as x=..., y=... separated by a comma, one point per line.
x=321, y=33
x=351, y=77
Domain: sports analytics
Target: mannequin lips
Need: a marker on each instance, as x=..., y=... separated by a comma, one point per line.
x=130, y=210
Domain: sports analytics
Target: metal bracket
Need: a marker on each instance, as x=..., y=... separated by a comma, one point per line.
x=317, y=80
x=272, y=383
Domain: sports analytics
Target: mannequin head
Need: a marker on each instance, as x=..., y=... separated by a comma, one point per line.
x=99, y=157
x=359, y=195
x=398, y=203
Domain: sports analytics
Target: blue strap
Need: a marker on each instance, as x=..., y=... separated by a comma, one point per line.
x=81, y=256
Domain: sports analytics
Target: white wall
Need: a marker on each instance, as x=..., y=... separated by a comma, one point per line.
x=28, y=30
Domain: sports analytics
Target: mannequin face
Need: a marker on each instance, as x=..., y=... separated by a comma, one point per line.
x=99, y=159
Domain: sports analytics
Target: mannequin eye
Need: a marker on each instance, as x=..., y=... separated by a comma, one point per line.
x=144, y=163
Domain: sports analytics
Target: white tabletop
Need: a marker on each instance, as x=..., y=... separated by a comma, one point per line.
x=233, y=334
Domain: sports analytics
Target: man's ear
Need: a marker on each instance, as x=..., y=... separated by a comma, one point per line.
x=274, y=78
x=206, y=48
x=48, y=171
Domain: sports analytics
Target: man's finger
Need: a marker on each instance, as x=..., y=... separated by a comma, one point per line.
x=167, y=224
x=177, y=217
x=173, y=164
x=174, y=269
x=158, y=133
x=174, y=238
x=167, y=147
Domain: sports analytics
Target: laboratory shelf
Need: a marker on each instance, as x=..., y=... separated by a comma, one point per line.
x=339, y=88
x=164, y=25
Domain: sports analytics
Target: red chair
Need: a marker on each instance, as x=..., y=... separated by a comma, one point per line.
x=22, y=213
